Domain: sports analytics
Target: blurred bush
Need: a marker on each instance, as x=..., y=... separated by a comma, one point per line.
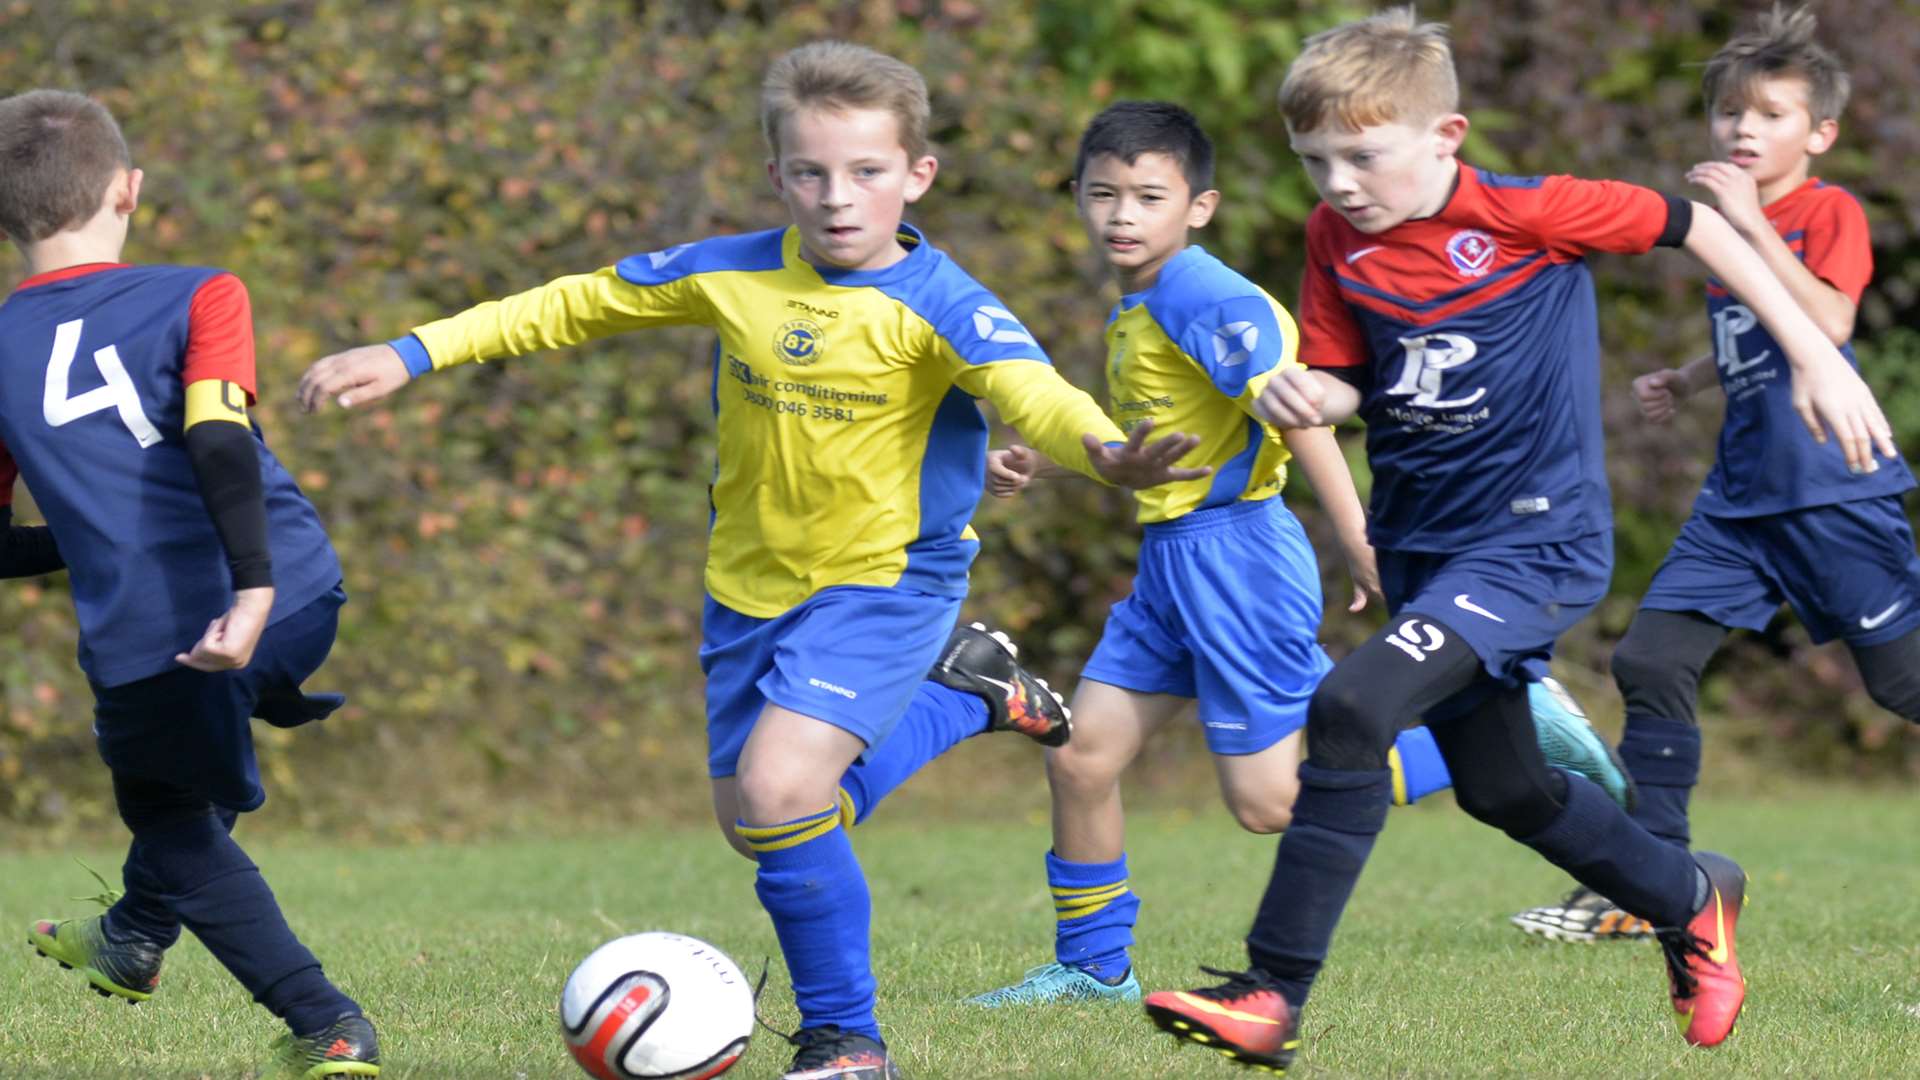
x=523, y=541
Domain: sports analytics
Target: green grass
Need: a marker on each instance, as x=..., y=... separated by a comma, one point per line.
x=458, y=952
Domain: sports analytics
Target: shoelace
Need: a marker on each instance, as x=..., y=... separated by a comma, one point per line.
x=814, y=1043
x=108, y=895
x=1678, y=945
x=1238, y=985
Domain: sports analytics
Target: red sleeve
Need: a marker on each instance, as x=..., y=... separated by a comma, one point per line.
x=1836, y=244
x=220, y=335
x=1573, y=216
x=9, y=472
x=1329, y=334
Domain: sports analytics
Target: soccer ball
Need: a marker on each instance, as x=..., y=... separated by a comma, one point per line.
x=656, y=1005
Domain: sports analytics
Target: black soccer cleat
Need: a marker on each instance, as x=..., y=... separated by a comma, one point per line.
x=127, y=970
x=827, y=1053
x=986, y=664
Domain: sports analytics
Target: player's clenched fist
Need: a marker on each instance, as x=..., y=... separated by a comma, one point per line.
x=1291, y=399
x=1658, y=393
x=354, y=377
x=1009, y=470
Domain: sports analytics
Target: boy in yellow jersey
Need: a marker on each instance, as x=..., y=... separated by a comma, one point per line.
x=1226, y=607
x=851, y=454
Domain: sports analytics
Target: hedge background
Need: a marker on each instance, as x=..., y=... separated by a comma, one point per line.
x=523, y=542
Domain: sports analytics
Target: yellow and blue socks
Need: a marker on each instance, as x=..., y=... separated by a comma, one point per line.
x=938, y=719
x=813, y=889
x=1417, y=767
x=1095, y=913
x=1663, y=757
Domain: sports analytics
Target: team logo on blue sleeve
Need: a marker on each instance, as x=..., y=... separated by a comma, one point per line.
x=800, y=342
x=1472, y=252
x=1234, y=343
x=999, y=326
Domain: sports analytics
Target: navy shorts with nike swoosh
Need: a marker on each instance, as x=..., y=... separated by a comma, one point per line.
x=851, y=655
x=1847, y=569
x=1510, y=603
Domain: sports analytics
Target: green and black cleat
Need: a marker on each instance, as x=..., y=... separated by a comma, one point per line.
x=129, y=971
x=346, y=1047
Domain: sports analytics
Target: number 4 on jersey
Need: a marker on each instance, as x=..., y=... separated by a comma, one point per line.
x=117, y=394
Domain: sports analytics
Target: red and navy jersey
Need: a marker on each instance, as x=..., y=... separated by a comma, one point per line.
x=1473, y=339
x=1767, y=464
x=94, y=365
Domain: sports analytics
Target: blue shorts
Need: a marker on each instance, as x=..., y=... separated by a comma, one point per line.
x=1509, y=603
x=1848, y=570
x=852, y=656
x=1226, y=609
x=192, y=729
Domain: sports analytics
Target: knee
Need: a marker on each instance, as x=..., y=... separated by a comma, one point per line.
x=1083, y=768
x=1898, y=694
x=1271, y=812
x=1637, y=667
x=1517, y=809
x=1344, y=728
x=782, y=791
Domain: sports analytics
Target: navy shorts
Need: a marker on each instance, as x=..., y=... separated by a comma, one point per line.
x=1509, y=603
x=1848, y=570
x=852, y=656
x=1226, y=609
x=192, y=729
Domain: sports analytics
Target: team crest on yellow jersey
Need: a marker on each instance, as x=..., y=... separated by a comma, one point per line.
x=799, y=342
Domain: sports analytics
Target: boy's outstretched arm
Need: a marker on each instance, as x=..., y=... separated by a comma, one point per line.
x=1317, y=452
x=1827, y=392
x=1832, y=310
x=1068, y=426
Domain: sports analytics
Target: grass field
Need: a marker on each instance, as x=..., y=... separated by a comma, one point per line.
x=458, y=952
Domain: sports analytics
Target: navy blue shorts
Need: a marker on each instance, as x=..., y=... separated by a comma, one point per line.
x=852, y=656
x=1848, y=570
x=1226, y=609
x=192, y=729
x=1510, y=603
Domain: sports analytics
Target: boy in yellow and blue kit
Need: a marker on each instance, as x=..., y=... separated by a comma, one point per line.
x=1226, y=606
x=851, y=453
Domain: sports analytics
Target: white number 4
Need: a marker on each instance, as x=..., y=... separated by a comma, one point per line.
x=118, y=394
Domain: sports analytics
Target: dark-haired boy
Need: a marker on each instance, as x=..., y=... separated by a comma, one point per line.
x=1452, y=309
x=204, y=584
x=1226, y=605
x=1774, y=513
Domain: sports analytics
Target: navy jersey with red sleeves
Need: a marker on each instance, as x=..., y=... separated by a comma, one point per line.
x=1473, y=338
x=94, y=362
x=1767, y=463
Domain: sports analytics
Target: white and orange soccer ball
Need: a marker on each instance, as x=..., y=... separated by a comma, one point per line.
x=656, y=1005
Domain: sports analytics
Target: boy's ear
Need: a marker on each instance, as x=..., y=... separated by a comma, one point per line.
x=126, y=192
x=773, y=176
x=1450, y=130
x=1200, y=210
x=1822, y=138
x=920, y=174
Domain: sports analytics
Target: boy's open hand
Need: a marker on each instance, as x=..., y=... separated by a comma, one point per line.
x=1832, y=395
x=354, y=377
x=1658, y=394
x=1364, y=568
x=1009, y=470
x=1291, y=399
x=1138, y=464
x=230, y=639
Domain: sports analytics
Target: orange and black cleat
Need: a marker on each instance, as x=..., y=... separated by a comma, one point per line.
x=1707, y=986
x=986, y=664
x=1245, y=1019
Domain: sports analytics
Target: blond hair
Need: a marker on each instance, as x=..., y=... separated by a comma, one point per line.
x=838, y=75
x=58, y=152
x=1388, y=68
x=1782, y=46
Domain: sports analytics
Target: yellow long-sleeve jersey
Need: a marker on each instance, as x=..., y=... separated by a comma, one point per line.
x=851, y=449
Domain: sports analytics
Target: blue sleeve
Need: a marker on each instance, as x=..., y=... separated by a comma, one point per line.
x=1236, y=342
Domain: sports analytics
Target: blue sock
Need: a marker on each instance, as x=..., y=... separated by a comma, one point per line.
x=1336, y=819
x=939, y=719
x=1095, y=911
x=1605, y=850
x=812, y=887
x=1663, y=757
x=197, y=870
x=1418, y=770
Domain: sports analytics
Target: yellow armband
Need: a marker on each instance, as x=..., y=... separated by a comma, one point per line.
x=216, y=399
